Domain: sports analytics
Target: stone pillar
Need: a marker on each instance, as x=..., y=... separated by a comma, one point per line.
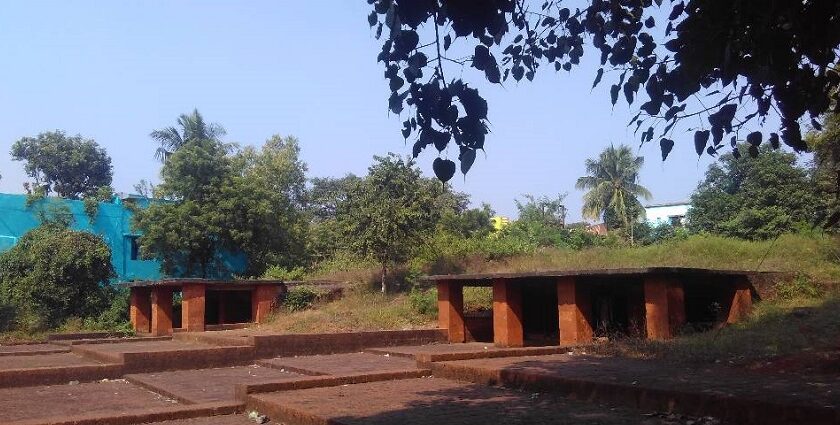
x=263, y=299
x=161, y=311
x=192, y=306
x=656, y=307
x=507, y=314
x=676, y=307
x=140, y=309
x=741, y=301
x=574, y=309
x=451, y=309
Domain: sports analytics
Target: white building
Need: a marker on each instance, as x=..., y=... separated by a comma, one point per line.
x=672, y=213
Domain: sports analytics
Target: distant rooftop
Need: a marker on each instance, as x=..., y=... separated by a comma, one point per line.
x=668, y=204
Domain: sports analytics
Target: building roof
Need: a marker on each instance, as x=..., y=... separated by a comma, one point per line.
x=616, y=272
x=669, y=204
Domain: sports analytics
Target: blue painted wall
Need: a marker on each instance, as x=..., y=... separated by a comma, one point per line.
x=112, y=222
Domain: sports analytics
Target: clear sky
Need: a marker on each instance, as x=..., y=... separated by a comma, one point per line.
x=114, y=71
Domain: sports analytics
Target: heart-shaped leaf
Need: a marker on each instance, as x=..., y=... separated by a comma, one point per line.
x=444, y=169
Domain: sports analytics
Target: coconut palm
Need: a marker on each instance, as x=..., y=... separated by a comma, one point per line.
x=190, y=127
x=612, y=182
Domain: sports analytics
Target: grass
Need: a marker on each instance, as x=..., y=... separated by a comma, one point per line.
x=815, y=255
x=775, y=329
x=359, y=310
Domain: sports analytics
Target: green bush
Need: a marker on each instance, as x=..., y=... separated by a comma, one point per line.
x=423, y=301
x=801, y=287
x=300, y=298
x=284, y=274
x=55, y=273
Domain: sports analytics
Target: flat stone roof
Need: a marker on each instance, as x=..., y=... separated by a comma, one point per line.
x=616, y=272
x=217, y=283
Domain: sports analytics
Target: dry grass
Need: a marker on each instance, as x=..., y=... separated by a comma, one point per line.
x=817, y=256
x=776, y=328
x=359, y=310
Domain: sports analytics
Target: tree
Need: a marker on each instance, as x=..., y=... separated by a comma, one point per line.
x=826, y=166
x=220, y=203
x=54, y=273
x=752, y=197
x=190, y=127
x=71, y=166
x=550, y=211
x=388, y=213
x=749, y=60
x=323, y=197
x=612, y=182
x=471, y=222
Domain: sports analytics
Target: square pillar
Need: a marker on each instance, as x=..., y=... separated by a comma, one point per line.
x=676, y=307
x=192, y=306
x=140, y=309
x=656, y=307
x=741, y=301
x=161, y=311
x=507, y=314
x=574, y=308
x=451, y=309
x=263, y=299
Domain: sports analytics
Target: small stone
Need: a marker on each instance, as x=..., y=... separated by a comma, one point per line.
x=73, y=383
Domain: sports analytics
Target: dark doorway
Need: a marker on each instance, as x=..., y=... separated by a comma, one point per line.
x=617, y=307
x=223, y=307
x=540, y=319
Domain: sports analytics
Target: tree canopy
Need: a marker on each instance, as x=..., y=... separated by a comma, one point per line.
x=190, y=127
x=612, y=184
x=388, y=213
x=753, y=198
x=218, y=202
x=749, y=60
x=71, y=166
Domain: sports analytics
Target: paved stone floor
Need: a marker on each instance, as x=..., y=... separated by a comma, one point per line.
x=824, y=391
x=114, y=396
x=343, y=364
x=208, y=385
x=31, y=348
x=413, y=350
x=44, y=360
x=435, y=401
x=241, y=419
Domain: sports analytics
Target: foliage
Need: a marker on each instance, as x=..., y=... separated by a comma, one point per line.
x=649, y=234
x=612, y=182
x=752, y=198
x=549, y=211
x=826, y=147
x=744, y=58
x=91, y=204
x=423, y=301
x=284, y=274
x=247, y=202
x=322, y=200
x=800, y=287
x=388, y=213
x=190, y=127
x=472, y=222
x=300, y=297
x=54, y=273
x=71, y=166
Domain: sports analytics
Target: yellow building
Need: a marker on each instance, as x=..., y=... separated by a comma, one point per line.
x=498, y=222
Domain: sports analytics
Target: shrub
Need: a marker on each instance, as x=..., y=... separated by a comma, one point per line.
x=423, y=301
x=800, y=287
x=300, y=297
x=54, y=273
x=284, y=274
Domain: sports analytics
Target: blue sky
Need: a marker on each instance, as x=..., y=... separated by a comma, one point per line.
x=114, y=71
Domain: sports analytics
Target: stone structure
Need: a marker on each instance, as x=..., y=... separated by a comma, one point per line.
x=204, y=303
x=575, y=305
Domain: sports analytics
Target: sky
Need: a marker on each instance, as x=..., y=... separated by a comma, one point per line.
x=115, y=71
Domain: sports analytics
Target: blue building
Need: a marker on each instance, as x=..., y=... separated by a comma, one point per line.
x=112, y=222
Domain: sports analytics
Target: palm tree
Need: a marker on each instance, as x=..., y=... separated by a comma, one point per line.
x=612, y=184
x=190, y=127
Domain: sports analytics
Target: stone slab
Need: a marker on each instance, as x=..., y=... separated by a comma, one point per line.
x=31, y=349
x=432, y=401
x=341, y=364
x=113, y=397
x=45, y=360
x=208, y=385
